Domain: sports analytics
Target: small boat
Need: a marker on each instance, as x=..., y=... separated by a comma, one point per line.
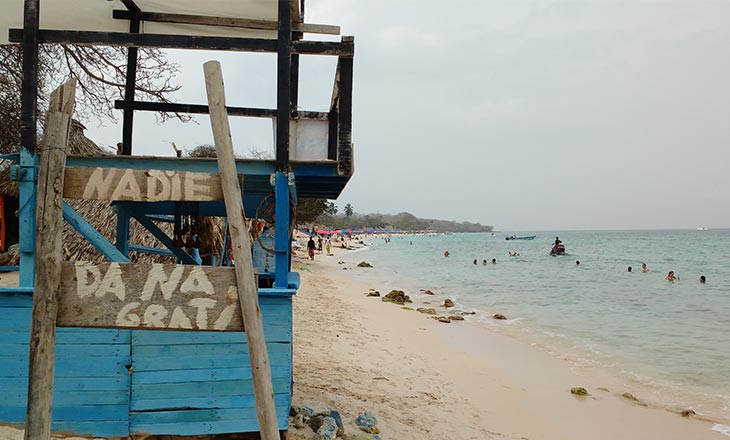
x=522, y=237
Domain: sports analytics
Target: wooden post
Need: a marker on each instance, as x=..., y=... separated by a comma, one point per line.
x=49, y=221
x=247, y=291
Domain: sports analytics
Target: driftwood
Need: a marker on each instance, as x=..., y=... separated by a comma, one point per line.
x=48, y=256
x=248, y=293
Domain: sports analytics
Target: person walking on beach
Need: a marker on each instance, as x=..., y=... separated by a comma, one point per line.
x=671, y=277
x=311, y=246
x=319, y=244
x=327, y=245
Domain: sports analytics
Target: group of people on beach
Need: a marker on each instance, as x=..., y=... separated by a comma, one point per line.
x=313, y=246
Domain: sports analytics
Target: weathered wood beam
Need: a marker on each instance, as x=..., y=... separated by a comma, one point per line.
x=163, y=41
x=203, y=110
x=48, y=257
x=149, y=296
x=95, y=183
x=248, y=293
x=244, y=23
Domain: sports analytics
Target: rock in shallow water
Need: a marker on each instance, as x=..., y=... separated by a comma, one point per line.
x=397, y=297
x=456, y=318
x=364, y=264
x=499, y=316
x=427, y=311
x=448, y=303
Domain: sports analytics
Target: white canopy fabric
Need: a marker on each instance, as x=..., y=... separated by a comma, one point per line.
x=96, y=15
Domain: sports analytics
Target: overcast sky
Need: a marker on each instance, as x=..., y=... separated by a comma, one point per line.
x=523, y=114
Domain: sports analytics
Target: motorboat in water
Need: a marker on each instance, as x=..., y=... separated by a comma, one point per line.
x=520, y=237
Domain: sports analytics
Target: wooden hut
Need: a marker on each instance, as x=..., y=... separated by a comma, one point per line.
x=133, y=372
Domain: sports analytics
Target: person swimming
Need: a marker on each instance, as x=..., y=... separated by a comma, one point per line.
x=702, y=279
x=577, y=262
x=494, y=261
x=475, y=262
x=484, y=262
x=671, y=277
x=446, y=253
x=644, y=268
x=629, y=270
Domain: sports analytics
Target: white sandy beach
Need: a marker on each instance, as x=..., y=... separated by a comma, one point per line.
x=427, y=380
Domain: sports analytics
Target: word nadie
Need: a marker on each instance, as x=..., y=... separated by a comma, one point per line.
x=151, y=185
x=183, y=297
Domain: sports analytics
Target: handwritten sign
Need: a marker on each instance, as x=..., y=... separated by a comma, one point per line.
x=151, y=296
x=140, y=185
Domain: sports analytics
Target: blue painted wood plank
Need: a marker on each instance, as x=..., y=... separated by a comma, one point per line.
x=247, y=401
x=62, y=385
x=70, y=398
x=203, y=375
x=141, y=338
x=193, y=415
x=69, y=350
x=248, y=424
x=73, y=367
x=203, y=389
x=161, y=363
x=15, y=300
x=187, y=350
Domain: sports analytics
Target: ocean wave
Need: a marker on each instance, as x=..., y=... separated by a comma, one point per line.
x=722, y=429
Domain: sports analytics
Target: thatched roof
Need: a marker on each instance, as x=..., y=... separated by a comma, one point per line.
x=102, y=216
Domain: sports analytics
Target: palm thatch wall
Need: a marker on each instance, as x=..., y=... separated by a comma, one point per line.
x=102, y=216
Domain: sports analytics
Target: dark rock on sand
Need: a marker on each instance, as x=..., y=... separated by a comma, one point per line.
x=456, y=317
x=443, y=319
x=468, y=313
x=687, y=412
x=327, y=430
x=335, y=415
x=579, y=391
x=426, y=311
x=340, y=262
x=373, y=293
x=367, y=423
x=448, y=303
x=305, y=410
x=364, y=264
x=428, y=292
x=407, y=308
x=298, y=421
x=397, y=297
x=499, y=316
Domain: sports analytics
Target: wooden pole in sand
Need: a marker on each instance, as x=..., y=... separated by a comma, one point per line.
x=49, y=223
x=247, y=292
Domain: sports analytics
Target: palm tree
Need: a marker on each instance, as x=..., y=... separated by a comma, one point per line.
x=348, y=210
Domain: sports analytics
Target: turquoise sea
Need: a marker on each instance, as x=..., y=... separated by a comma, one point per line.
x=671, y=338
